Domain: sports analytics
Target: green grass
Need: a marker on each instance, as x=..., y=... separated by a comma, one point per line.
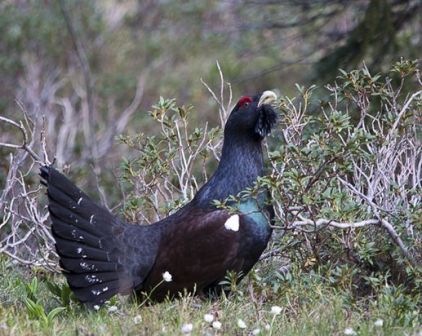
x=310, y=306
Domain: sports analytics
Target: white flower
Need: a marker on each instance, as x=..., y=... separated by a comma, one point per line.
x=96, y=307
x=187, y=328
x=137, y=319
x=379, y=323
x=349, y=331
x=167, y=277
x=241, y=324
x=216, y=325
x=209, y=318
x=256, y=331
x=112, y=309
x=275, y=310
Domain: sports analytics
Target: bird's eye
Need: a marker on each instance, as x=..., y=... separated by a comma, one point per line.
x=245, y=101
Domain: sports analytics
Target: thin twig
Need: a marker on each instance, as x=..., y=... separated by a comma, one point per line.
x=24, y=144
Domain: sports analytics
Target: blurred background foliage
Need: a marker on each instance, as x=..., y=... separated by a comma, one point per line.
x=259, y=44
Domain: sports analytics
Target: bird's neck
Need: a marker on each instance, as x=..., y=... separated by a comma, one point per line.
x=240, y=164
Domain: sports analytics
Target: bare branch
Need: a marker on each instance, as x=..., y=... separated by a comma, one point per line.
x=224, y=109
x=349, y=225
x=402, y=112
x=24, y=144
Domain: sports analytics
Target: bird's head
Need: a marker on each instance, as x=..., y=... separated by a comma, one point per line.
x=253, y=116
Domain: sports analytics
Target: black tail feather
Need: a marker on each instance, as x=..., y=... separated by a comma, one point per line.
x=73, y=249
x=58, y=180
x=66, y=216
x=65, y=231
x=77, y=281
x=81, y=266
x=98, y=293
x=85, y=241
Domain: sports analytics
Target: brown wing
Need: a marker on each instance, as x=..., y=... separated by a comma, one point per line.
x=197, y=250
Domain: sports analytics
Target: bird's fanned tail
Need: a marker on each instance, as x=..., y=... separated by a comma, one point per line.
x=86, y=240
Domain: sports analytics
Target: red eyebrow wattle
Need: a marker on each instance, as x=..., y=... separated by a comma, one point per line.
x=245, y=99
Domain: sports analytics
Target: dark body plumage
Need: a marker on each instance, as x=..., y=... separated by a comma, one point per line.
x=101, y=255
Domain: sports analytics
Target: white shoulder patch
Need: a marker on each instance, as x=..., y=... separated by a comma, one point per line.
x=232, y=223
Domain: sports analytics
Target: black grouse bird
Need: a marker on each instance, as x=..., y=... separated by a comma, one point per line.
x=192, y=249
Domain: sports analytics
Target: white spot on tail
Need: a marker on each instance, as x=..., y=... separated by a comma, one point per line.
x=91, y=219
x=92, y=279
x=87, y=267
x=96, y=292
x=79, y=250
x=80, y=200
x=105, y=289
x=84, y=265
x=232, y=223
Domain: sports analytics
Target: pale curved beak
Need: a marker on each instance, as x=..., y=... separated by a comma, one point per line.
x=267, y=97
